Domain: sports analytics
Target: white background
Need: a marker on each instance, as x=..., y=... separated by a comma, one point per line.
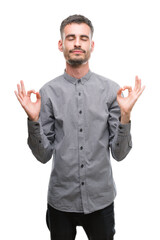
x=127, y=43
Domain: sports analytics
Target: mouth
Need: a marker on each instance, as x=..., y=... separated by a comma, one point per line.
x=77, y=51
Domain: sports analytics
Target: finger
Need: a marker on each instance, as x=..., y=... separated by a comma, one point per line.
x=18, y=97
x=16, y=93
x=23, y=88
x=141, y=91
x=38, y=95
x=137, y=83
x=119, y=93
x=30, y=92
x=129, y=88
x=19, y=90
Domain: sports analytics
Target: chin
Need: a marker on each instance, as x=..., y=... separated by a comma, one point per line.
x=77, y=62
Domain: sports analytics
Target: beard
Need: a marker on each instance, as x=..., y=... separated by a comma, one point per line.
x=76, y=60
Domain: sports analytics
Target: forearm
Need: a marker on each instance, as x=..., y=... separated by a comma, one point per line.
x=122, y=142
x=39, y=144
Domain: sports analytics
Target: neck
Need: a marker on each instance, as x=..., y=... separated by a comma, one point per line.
x=78, y=71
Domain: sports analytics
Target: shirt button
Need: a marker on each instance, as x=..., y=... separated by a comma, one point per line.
x=79, y=94
x=82, y=166
x=82, y=183
x=81, y=130
x=80, y=112
x=81, y=148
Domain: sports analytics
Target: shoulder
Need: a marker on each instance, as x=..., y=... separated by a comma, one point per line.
x=110, y=86
x=106, y=80
x=52, y=88
x=52, y=83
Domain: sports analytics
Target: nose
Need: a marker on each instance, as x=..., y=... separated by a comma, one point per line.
x=77, y=42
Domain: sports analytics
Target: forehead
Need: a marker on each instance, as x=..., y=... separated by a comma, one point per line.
x=77, y=29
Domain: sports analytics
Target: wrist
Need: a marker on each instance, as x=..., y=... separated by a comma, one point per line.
x=33, y=119
x=125, y=117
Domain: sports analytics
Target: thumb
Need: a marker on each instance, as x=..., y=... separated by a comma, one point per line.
x=38, y=95
x=119, y=93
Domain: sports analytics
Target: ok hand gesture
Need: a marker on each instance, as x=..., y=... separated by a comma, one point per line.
x=31, y=108
x=126, y=103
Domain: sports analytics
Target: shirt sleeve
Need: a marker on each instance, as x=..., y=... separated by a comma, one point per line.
x=120, y=135
x=41, y=134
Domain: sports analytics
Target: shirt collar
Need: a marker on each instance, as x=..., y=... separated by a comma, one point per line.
x=75, y=80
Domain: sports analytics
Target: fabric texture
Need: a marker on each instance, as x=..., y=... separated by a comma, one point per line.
x=79, y=126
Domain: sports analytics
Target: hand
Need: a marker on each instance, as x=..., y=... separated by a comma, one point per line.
x=31, y=108
x=126, y=103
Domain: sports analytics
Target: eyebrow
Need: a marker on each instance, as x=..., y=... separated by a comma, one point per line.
x=73, y=35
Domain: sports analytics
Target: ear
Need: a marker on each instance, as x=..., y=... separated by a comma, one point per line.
x=92, y=46
x=60, y=45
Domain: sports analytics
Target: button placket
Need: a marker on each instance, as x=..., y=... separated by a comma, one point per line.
x=81, y=142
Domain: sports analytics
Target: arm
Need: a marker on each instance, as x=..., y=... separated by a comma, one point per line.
x=41, y=134
x=40, y=123
x=120, y=137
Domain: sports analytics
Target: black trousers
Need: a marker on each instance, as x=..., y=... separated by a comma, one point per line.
x=98, y=225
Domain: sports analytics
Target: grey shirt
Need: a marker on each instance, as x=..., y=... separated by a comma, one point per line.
x=79, y=126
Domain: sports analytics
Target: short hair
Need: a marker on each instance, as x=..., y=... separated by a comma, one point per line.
x=76, y=19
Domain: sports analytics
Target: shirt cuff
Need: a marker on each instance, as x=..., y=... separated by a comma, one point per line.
x=34, y=127
x=124, y=129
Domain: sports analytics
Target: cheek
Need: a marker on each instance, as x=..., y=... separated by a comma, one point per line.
x=89, y=47
x=67, y=45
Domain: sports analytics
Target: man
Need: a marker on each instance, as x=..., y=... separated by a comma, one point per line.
x=80, y=117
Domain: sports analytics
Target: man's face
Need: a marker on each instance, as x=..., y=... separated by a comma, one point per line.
x=76, y=44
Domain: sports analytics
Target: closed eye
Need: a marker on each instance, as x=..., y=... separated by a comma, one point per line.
x=84, y=37
x=70, y=37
